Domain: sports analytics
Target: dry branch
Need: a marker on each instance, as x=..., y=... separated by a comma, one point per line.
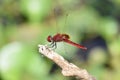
x=68, y=69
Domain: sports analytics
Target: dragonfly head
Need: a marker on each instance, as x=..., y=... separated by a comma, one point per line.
x=49, y=39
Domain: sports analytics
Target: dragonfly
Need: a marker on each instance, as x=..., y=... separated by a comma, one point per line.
x=59, y=37
x=63, y=38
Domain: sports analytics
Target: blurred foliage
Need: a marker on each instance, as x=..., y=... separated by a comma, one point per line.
x=26, y=23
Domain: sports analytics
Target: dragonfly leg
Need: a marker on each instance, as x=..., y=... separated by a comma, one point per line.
x=52, y=44
x=55, y=45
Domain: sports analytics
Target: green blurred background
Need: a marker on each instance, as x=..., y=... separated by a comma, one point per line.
x=26, y=23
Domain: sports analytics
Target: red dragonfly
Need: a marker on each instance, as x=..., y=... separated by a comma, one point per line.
x=65, y=38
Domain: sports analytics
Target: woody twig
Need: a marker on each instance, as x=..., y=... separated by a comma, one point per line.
x=68, y=69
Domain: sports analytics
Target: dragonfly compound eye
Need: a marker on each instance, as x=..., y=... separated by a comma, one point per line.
x=49, y=38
